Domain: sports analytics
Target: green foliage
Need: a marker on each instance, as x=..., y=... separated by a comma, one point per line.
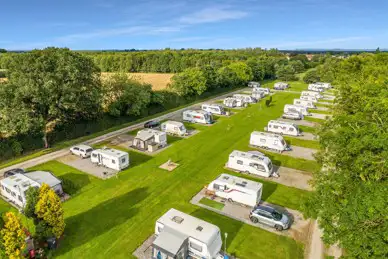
x=47, y=87
x=189, y=82
x=12, y=236
x=214, y=204
x=311, y=76
x=297, y=65
x=285, y=73
x=350, y=194
x=238, y=73
x=125, y=96
x=32, y=198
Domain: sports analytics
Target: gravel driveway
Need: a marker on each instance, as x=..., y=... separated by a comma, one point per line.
x=301, y=152
x=320, y=116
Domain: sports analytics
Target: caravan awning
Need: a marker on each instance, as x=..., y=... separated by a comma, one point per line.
x=170, y=240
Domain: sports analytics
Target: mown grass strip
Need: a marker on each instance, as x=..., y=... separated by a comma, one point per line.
x=211, y=203
x=302, y=142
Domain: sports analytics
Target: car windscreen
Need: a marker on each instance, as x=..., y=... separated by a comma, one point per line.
x=276, y=215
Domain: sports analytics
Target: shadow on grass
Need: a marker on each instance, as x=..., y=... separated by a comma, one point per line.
x=72, y=183
x=83, y=227
x=137, y=158
x=172, y=139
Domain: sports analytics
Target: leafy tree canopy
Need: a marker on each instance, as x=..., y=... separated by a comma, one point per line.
x=189, y=82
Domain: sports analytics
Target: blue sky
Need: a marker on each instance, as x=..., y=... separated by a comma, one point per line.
x=152, y=24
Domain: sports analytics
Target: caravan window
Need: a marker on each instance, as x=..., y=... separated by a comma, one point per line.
x=94, y=155
x=113, y=161
x=219, y=187
x=275, y=127
x=262, y=140
x=291, y=129
x=240, y=162
x=8, y=190
x=196, y=247
x=13, y=194
x=20, y=198
x=260, y=167
x=283, y=142
x=123, y=160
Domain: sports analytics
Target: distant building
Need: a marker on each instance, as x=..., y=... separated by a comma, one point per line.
x=14, y=187
x=309, y=56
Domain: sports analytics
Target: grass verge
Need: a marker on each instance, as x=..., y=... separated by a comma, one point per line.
x=302, y=142
x=214, y=204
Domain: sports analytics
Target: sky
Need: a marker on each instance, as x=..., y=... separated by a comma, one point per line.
x=227, y=24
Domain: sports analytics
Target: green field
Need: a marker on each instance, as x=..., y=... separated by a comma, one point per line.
x=320, y=121
x=307, y=129
x=214, y=204
x=113, y=217
x=302, y=143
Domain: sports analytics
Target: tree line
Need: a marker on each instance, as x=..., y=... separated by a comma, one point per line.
x=350, y=197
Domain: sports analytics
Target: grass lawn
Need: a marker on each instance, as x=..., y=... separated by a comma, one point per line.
x=292, y=162
x=302, y=142
x=113, y=217
x=323, y=105
x=307, y=129
x=320, y=121
x=214, y=204
x=321, y=111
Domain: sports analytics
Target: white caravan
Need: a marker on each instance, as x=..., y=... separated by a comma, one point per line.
x=281, y=86
x=247, y=98
x=236, y=189
x=258, y=95
x=311, y=93
x=198, y=116
x=213, y=109
x=150, y=139
x=179, y=235
x=309, y=98
x=232, y=102
x=111, y=158
x=266, y=91
x=268, y=141
x=296, y=108
x=324, y=85
x=253, y=84
x=174, y=128
x=250, y=162
x=283, y=127
x=315, y=88
x=305, y=103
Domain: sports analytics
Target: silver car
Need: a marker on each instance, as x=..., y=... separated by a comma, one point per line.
x=270, y=216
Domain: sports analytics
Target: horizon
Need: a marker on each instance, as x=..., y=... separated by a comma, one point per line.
x=229, y=24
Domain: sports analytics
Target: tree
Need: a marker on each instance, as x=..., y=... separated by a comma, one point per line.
x=3, y=50
x=243, y=72
x=297, y=65
x=349, y=199
x=32, y=198
x=189, y=82
x=13, y=236
x=125, y=96
x=285, y=72
x=311, y=76
x=48, y=87
x=258, y=70
x=49, y=209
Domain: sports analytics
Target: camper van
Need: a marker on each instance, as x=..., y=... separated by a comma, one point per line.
x=268, y=141
x=174, y=128
x=111, y=158
x=247, y=98
x=253, y=84
x=179, y=235
x=149, y=140
x=315, y=88
x=305, y=103
x=311, y=93
x=266, y=91
x=232, y=102
x=281, y=86
x=198, y=116
x=250, y=162
x=213, y=109
x=301, y=109
x=309, y=98
x=236, y=189
x=282, y=127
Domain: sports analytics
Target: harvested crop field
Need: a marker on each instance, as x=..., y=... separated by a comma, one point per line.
x=159, y=81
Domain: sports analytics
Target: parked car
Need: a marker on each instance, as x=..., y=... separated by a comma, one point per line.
x=270, y=216
x=82, y=151
x=13, y=172
x=292, y=115
x=151, y=124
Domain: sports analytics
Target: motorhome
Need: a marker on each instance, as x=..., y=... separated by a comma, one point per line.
x=281, y=86
x=305, y=103
x=236, y=189
x=297, y=108
x=174, y=128
x=266, y=91
x=150, y=140
x=270, y=141
x=14, y=187
x=110, y=158
x=316, y=87
x=179, y=235
x=247, y=98
x=232, y=102
x=312, y=93
x=198, y=116
x=309, y=98
x=282, y=127
x=213, y=109
x=253, y=84
x=250, y=162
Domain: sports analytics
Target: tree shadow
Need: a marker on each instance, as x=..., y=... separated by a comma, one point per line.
x=83, y=227
x=72, y=183
x=137, y=158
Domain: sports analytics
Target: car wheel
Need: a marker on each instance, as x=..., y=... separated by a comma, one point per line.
x=278, y=227
x=254, y=219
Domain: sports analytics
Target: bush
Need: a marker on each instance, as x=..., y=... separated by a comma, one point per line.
x=311, y=76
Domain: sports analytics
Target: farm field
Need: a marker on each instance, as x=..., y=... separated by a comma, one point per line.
x=159, y=81
x=113, y=217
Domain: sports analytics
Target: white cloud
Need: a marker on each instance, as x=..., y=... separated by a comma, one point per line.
x=212, y=14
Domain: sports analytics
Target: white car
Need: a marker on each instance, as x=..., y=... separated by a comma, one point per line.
x=82, y=151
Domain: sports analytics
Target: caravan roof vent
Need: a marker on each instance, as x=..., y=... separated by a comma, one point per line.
x=18, y=180
x=177, y=219
x=25, y=184
x=245, y=183
x=226, y=177
x=241, y=184
x=199, y=228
